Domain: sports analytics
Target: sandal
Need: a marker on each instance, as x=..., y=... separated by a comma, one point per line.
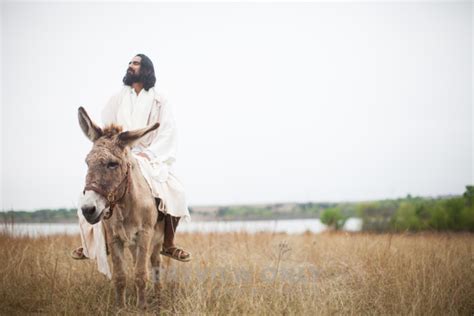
x=176, y=253
x=78, y=254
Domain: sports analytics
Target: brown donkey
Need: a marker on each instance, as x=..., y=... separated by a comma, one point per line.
x=117, y=194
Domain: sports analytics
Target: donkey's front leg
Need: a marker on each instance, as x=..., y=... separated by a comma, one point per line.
x=118, y=273
x=143, y=255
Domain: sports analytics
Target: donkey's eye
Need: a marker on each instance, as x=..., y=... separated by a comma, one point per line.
x=112, y=165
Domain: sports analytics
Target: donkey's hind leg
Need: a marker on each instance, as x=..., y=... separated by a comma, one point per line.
x=155, y=270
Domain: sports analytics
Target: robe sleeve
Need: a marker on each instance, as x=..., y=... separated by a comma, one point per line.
x=162, y=148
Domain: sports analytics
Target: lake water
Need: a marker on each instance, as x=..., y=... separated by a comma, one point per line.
x=290, y=226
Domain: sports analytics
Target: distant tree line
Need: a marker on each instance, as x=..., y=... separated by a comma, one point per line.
x=40, y=216
x=416, y=214
x=273, y=211
x=404, y=214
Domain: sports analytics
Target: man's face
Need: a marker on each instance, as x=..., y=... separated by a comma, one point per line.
x=134, y=66
x=133, y=71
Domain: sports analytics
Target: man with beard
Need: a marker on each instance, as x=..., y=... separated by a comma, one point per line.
x=137, y=105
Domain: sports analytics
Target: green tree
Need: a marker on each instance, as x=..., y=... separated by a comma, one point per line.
x=467, y=218
x=454, y=208
x=333, y=218
x=467, y=214
x=376, y=215
x=439, y=218
x=406, y=218
x=469, y=195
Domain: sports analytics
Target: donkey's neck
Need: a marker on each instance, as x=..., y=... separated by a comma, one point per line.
x=137, y=185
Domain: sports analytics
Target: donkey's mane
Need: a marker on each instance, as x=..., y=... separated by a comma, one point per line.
x=111, y=130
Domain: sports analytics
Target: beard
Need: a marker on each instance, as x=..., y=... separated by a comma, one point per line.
x=131, y=77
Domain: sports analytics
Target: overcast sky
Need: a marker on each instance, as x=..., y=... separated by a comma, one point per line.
x=273, y=102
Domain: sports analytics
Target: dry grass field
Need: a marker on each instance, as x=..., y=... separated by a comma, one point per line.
x=265, y=274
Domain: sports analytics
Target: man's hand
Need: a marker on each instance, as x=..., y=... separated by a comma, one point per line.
x=142, y=154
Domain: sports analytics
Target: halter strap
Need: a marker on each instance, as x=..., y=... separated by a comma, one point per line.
x=111, y=196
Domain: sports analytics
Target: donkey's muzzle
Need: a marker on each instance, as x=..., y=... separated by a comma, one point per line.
x=90, y=214
x=88, y=210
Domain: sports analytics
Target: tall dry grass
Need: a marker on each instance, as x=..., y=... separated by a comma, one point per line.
x=265, y=274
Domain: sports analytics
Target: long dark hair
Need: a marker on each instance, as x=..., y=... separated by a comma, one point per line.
x=147, y=73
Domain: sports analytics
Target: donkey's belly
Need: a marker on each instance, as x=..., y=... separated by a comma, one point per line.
x=156, y=238
x=131, y=235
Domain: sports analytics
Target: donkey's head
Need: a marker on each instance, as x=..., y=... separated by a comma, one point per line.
x=108, y=165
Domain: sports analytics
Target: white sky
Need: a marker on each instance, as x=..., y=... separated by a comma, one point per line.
x=274, y=102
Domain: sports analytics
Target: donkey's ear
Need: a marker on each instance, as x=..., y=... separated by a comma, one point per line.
x=92, y=131
x=128, y=137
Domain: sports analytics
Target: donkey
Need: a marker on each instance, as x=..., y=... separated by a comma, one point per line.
x=117, y=194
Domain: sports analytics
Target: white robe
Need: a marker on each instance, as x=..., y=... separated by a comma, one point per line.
x=133, y=112
x=159, y=145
